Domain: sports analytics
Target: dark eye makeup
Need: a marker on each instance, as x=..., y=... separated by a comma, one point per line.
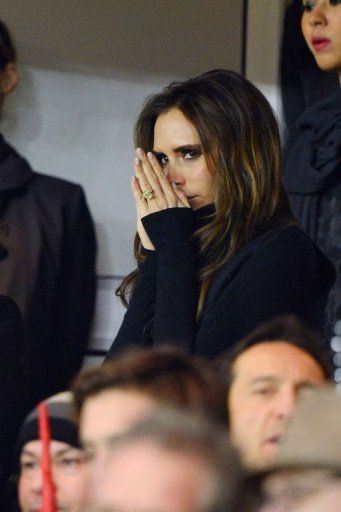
x=161, y=158
x=309, y=6
x=188, y=152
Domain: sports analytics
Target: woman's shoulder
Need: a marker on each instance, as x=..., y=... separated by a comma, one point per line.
x=291, y=239
x=287, y=236
x=295, y=249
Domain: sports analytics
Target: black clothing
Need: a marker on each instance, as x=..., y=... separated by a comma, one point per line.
x=312, y=177
x=47, y=254
x=13, y=385
x=279, y=271
x=314, y=162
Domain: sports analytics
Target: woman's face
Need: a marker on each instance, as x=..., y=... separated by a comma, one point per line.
x=321, y=27
x=178, y=148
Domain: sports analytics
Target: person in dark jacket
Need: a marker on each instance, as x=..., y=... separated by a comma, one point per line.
x=47, y=258
x=218, y=248
x=67, y=480
x=13, y=385
x=312, y=168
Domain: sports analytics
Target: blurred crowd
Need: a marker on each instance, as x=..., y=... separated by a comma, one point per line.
x=259, y=429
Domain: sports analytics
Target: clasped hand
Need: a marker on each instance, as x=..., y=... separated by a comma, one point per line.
x=153, y=191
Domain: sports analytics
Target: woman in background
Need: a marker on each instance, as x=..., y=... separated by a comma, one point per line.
x=313, y=165
x=218, y=248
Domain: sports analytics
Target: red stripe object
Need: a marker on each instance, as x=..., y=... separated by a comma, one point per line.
x=48, y=494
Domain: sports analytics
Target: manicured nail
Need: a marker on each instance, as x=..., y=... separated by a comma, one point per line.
x=150, y=155
x=137, y=161
x=139, y=152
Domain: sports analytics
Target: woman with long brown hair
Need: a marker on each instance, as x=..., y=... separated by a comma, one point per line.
x=218, y=249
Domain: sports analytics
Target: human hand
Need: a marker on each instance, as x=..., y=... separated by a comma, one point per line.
x=153, y=191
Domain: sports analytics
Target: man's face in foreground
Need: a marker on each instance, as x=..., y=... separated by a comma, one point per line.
x=106, y=415
x=143, y=477
x=267, y=379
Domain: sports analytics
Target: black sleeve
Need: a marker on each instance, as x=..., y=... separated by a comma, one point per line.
x=174, y=319
x=77, y=286
x=140, y=312
x=280, y=277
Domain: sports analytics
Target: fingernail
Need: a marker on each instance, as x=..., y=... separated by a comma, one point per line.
x=139, y=152
x=150, y=155
x=137, y=161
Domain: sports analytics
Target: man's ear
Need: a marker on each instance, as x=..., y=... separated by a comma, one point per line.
x=9, y=78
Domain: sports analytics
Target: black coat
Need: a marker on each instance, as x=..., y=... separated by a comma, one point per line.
x=47, y=255
x=13, y=384
x=312, y=177
x=280, y=271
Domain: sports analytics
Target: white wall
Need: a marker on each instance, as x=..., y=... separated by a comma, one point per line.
x=264, y=30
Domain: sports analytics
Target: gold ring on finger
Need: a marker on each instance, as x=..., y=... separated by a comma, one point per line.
x=148, y=194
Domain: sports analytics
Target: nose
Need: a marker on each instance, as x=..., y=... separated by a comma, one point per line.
x=37, y=481
x=318, y=15
x=174, y=173
x=286, y=404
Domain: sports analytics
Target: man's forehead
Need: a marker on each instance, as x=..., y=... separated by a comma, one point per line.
x=274, y=360
x=35, y=447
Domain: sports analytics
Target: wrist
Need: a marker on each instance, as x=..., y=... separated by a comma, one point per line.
x=169, y=226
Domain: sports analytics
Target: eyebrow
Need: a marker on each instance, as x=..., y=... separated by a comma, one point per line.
x=271, y=379
x=63, y=451
x=180, y=149
x=27, y=452
x=306, y=384
x=265, y=379
x=107, y=441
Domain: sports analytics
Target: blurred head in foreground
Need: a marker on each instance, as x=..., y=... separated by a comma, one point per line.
x=170, y=462
x=112, y=398
x=67, y=462
x=265, y=374
x=306, y=474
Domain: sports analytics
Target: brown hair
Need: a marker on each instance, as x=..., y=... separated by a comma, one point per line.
x=166, y=374
x=241, y=144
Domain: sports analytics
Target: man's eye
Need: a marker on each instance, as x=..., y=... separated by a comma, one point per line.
x=28, y=465
x=263, y=391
